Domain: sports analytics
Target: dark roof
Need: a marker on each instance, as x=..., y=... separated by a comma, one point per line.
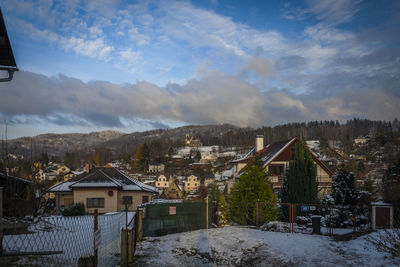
x=273, y=150
x=6, y=54
x=18, y=179
x=106, y=177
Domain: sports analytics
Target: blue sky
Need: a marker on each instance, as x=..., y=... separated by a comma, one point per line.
x=136, y=65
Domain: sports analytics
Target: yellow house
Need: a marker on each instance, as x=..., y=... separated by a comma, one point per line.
x=173, y=191
x=162, y=182
x=191, y=183
x=105, y=189
x=62, y=170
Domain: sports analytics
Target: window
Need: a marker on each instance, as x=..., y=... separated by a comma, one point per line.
x=127, y=200
x=276, y=169
x=95, y=203
x=145, y=199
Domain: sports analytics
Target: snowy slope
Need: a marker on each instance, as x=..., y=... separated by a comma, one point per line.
x=233, y=246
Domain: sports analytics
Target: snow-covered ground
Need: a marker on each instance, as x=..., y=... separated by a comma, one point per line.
x=207, y=151
x=238, y=246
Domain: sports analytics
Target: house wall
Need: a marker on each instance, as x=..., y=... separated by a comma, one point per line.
x=239, y=166
x=324, y=181
x=162, y=182
x=192, y=183
x=137, y=197
x=60, y=199
x=110, y=202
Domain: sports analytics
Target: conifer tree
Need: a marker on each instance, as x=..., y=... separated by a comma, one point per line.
x=300, y=184
x=253, y=186
x=344, y=191
x=222, y=219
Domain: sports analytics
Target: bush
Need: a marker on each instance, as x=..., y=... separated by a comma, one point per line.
x=76, y=209
x=387, y=241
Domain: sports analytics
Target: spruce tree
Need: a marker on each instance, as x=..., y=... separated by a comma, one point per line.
x=253, y=186
x=222, y=219
x=300, y=184
x=344, y=191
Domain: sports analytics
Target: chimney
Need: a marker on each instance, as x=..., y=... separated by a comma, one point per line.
x=259, y=142
x=87, y=167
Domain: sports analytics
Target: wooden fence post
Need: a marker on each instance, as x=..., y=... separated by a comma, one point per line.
x=257, y=214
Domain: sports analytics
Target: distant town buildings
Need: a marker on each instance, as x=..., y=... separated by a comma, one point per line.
x=156, y=168
x=192, y=142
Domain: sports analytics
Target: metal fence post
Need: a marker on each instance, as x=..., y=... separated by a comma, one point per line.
x=1, y=220
x=96, y=226
x=126, y=236
x=207, y=212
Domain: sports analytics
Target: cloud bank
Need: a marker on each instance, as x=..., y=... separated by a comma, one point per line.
x=212, y=97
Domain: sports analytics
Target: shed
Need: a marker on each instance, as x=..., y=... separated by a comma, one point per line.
x=382, y=215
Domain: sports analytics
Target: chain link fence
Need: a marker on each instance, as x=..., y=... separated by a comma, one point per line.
x=61, y=241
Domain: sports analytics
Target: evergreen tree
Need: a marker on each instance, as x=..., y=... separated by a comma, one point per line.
x=344, y=191
x=222, y=219
x=138, y=157
x=145, y=160
x=300, y=184
x=253, y=186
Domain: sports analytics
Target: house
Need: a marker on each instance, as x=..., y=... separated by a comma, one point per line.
x=162, y=182
x=156, y=167
x=103, y=188
x=17, y=195
x=173, y=191
x=191, y=183
x=276, y=158
x=360, y=141
x=62, y=170
x=68, y=176
x=192, y=142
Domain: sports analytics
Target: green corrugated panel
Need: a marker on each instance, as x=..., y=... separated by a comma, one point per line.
x=189, y=216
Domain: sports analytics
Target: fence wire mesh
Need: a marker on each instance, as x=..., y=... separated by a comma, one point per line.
x=60, y=241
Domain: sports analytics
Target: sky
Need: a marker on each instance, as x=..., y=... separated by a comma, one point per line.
x=137, y=65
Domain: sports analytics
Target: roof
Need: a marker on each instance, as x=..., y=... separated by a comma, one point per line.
x=6, y=53
x=104, y=177
x=275, y=149
x=271, y=151
x=4, y=176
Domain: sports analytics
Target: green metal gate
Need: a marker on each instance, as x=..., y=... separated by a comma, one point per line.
x=168, y=218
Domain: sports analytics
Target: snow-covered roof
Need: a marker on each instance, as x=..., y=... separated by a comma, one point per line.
x=61, y=187
x=104, y=177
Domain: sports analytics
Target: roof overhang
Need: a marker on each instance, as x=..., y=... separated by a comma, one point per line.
x=7, y=61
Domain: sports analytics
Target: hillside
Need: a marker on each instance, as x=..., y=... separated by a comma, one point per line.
x=58, y=144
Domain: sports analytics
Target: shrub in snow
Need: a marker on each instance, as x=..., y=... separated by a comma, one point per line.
x=275, y=227
x=387, y=241
x=76, y=209
x=302, y=220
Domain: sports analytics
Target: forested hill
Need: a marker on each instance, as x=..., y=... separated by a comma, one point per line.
x=224, y=134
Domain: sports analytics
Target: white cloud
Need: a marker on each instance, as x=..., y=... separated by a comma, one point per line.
x=91, y=48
